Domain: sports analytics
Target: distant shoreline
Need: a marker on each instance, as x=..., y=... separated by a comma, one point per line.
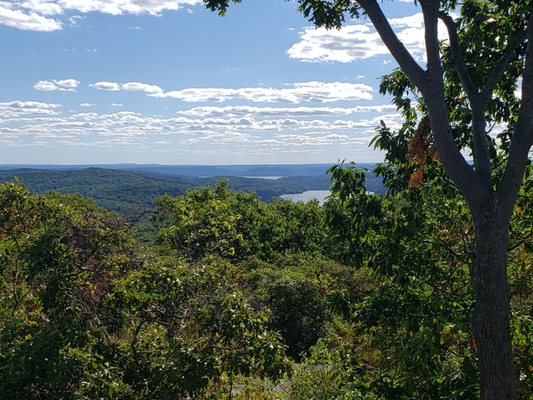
x=237, y=170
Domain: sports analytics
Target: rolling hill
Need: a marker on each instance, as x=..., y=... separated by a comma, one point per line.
x=130, y=190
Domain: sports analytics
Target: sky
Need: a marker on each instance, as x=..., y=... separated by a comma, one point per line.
x=169, y=82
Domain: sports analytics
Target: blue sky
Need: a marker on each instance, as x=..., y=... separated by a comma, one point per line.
x=166, y=81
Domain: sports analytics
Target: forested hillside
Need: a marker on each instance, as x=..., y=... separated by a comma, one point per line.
x=132, y=192
x=227, y=296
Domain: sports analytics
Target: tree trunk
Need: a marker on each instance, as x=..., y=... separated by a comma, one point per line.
x=490, y=324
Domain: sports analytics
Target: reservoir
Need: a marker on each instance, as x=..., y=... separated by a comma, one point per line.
x=320, y=195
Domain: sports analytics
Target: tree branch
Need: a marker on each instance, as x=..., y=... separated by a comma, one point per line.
x=479, y=137
x=431, y=85
x=430, y=12
x=479, y=131
x=479, y=99
x=497, y=73
x=406, y=61
x=522, y=138
x=449, y=153
x=133, y=344
x=457, y=58
x=520, y=242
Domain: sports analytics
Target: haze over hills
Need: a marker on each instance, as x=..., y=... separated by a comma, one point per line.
x=198, y=170
x=131, y=188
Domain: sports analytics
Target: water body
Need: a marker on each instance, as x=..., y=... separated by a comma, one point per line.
x=271, y=178
x=308, y=195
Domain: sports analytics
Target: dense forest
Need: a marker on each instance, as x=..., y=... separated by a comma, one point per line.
x=222, y=295
x=131, y=191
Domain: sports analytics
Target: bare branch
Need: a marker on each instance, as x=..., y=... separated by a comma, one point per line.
x=395, y=46
x=457, y=58
x=520, y=242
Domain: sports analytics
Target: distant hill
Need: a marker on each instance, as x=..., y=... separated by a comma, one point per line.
x=129, y=190
x=199, y=170
x=122, y=191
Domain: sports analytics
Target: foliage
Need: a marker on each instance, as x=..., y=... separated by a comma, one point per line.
x=82, y=314
x=419, y=245
x=370, y=295
x=58, y=255
x=298, y=308
x=236, y=225
x=190, y=326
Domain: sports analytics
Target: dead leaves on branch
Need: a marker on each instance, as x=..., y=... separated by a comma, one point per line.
x=421, y=149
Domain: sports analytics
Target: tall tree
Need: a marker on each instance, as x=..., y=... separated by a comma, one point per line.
x=487, y=63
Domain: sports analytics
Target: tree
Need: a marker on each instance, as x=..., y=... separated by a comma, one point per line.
x=297, y=305
x=59, y=255
x=191, y=328
x=234, y=225
x=490, y=48
x=84, y=315
x=418, y=245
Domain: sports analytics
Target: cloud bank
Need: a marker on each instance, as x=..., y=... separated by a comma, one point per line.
x=43, y=15
x=275, y=129
x=300, y=92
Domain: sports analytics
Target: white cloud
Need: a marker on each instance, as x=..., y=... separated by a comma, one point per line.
x=61, y=85
x=30, y=120
x=108, y=86
x=45, y=86
x=11, y=15
x=117, y=7
x=87, y=105
x=141, y=87
x=41, y=6
x=320, y=92
x=208, y=129
x=211, y=111
x=301, y=92
x=245, y=129
x=37, y=15
x=17, y=108
x=344, y=45
x=359, y=41
x=75, y=20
